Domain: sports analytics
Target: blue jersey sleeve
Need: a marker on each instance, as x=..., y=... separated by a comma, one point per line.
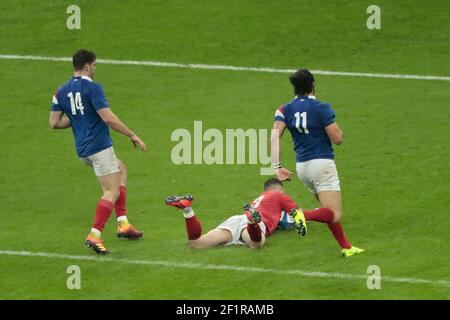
x=279, y=114
x=327, y=114
x=55, y=103
x=98, y=98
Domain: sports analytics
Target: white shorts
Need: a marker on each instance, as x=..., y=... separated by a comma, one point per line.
x=319, y=175
x=104, y=162
x=237, y=224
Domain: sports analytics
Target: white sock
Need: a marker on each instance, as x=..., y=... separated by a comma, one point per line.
x=96, y=232
x=122, y=218
x=188, y=212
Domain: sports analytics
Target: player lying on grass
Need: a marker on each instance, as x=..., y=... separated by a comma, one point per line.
x=313, y=128
x=81, y=104
x=260, y=219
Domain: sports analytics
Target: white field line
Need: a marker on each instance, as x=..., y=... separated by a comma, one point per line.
x=203, y=266
x=230, y=68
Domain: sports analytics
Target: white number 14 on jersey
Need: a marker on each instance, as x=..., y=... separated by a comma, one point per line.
x=76, y=103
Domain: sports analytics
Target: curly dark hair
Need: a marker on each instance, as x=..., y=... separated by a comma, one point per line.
x=81, y=58
x=303, y=82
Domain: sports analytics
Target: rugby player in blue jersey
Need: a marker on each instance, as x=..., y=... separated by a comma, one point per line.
x=81, y=104
x=313, y=129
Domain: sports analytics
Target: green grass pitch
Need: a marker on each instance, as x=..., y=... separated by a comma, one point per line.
x=393, y=164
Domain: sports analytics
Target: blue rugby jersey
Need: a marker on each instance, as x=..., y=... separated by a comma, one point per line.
x=306, y=119
x=80, y=98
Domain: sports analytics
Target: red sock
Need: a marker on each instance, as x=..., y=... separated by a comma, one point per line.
x=102, y=213
x=193, y=227
x=320, y=214
x=338, y=233
x=121, y=203
x=254, y=230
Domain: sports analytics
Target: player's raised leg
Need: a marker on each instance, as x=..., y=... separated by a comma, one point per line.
x=196, y=240
x=110, y=186
x=299, y=221
x=332, y=199
x=253, y=236
x=124, y=228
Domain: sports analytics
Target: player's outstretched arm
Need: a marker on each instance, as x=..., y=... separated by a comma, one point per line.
x=335, y=133
x=277, y=132
x=58, y=120
x=117, y=125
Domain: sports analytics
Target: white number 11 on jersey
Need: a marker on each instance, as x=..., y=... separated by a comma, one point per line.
x=76, y=103
x=301, y=116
